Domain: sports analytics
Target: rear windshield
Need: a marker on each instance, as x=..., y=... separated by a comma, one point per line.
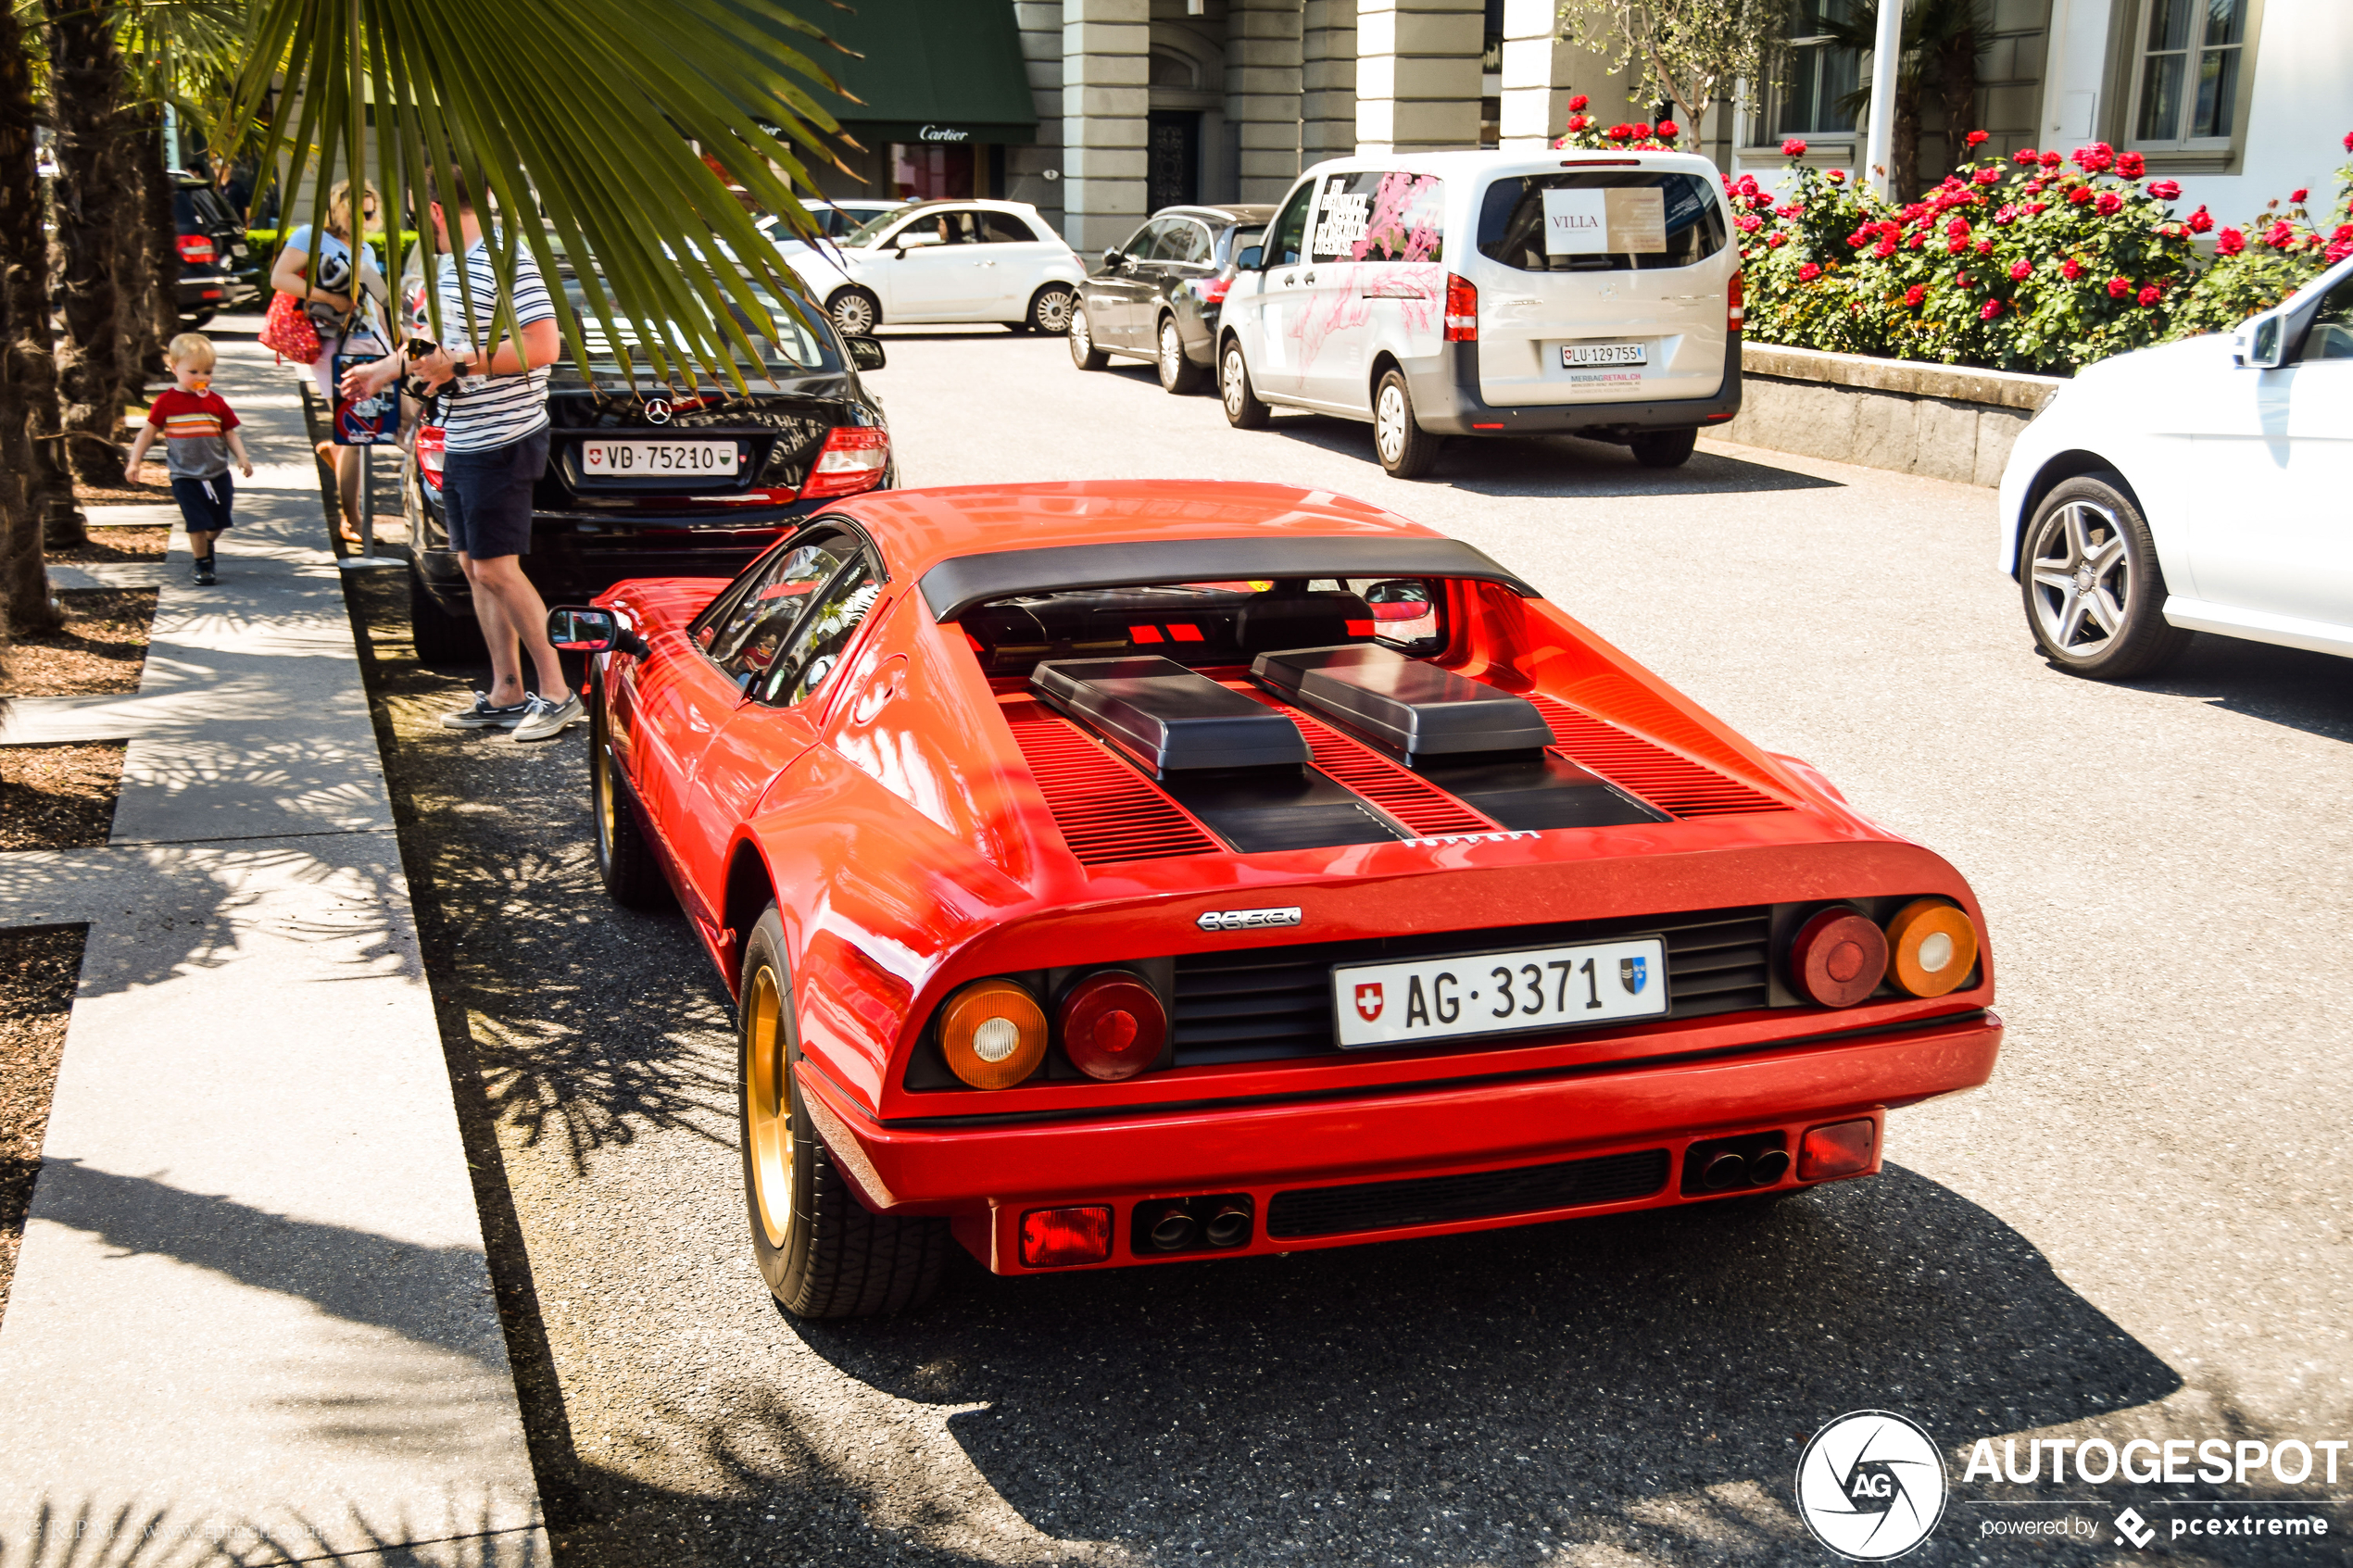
x=1205, y=624
x=1376, y=214
x=799, y=346
x=1600, y=221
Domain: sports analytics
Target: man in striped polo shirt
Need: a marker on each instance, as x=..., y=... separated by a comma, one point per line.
x=495, y=435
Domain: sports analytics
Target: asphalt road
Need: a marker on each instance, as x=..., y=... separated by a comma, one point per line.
x=2138, y=1230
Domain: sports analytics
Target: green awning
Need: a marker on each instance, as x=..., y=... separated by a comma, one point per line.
x=933, y=71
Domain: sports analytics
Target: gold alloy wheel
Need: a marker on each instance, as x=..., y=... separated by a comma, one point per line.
x=768, y=1148
x=605, y=802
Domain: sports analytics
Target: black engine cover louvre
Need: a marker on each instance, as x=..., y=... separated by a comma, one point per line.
x=1262, y=808
x=1475, y=1194
x=1166, y=717
x=1537, y=789
x=1408, y=707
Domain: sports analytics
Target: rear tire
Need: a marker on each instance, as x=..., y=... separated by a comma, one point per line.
x=1050, y=309
x=624, y=860
x=438, y=637
x=192, y=323
x=1243, y=411
x=1178, y=375
x=1081, y=332
x=1664, y=448
x=1405, y=449
x=823, y=1253
x=856, y=311
x=2095, y=589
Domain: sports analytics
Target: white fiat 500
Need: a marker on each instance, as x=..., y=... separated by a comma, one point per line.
x=1435, y=294
x=2201, y=487
x=958, y=262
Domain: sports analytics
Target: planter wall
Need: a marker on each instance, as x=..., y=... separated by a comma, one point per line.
x=1941, y=420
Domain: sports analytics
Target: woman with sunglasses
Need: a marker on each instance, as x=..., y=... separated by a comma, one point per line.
x=343, y=308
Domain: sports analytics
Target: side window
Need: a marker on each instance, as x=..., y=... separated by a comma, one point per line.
x=2330, y=334
x=748, y=630
x=1186, y=241
x=1004, y=229
x=1143, y=245
x=1377, y=215
x=1286, y=236
x=819, y=636
x=964, y=227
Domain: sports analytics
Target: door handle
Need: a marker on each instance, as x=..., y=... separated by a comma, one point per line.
x=1290, y=279
x=1307, y=278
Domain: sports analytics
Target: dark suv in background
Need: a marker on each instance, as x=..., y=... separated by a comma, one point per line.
x=658, y=481
x=1156, y=297
x=214, y=260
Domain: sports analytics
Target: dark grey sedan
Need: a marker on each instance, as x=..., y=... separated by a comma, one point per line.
x=1156, y=297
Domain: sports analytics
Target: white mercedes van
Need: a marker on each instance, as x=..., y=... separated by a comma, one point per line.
x=1579, y=292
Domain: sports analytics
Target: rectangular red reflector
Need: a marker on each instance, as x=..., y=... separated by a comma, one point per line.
x=1842, y=1149
x=1143, y=633
x=1053, y=1238
x=1486, y=427
x=1183, y=631
x=1360, y=628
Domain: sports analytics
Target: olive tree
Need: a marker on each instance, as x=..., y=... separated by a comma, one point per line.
x=1689, y=52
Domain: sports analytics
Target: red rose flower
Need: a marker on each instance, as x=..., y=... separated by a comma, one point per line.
x=1578, y=102
x=2034, y=187
x=1985, y=247
x=2052, y=160
x=1915, y=242
x=2038, y=207
x=1884, y=249
x=2279, y=235
x=1987, y=176
x=1835, y=176
x=2130, y=166
x=2071, y=268
x=1794, y=148
x=2297, y=196
x=2149, y=296
x=2079, y=194
x=1990, y=309
x=1641, y=131
x=2230, y=242
x=2021, y=271
x=1913, y=295
x=1668, y=130
x=2024, y=156
x=1957, y=227
x=2110, y=204
x=2339, y=249
x=1976, y=137
x=2348, y=141
x=2165, y=190
x=2118, y=287
x=1619, y=132
x=2007, y=215
x=1960, y=280
x=1747, y=224
x=1956, y=246
x=1776, y=240
x=2093, y=159
x=1808, y=273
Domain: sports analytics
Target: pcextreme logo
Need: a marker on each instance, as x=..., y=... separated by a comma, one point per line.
x=1871, y=1486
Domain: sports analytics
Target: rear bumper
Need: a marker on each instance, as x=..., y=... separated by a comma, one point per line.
x=985, y=1176
x=1446, y=402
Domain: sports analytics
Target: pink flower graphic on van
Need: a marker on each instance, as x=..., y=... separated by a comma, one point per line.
x=1404, y=222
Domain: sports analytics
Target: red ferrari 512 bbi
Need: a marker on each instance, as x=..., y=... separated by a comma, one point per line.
x=1115, y=873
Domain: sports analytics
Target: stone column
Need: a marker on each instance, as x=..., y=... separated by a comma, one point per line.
x=1263, y=94
x=1417, y=74
x=1328, y=77
x=1542, y=73
x=1041, y=55
x=1106, y=47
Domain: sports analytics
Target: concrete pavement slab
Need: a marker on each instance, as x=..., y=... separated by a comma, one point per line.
x=251, y=1321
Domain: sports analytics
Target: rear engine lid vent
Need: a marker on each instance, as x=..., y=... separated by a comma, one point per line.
x=1168, y=718
x=1641, y=767
x=1409, y=707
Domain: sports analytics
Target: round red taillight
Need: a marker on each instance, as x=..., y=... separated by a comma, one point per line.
x=1113, y=1025
x=1839, y=958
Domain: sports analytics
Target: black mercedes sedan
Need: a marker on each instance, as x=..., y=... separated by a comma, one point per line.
x=1156, y=297
x=660, y=481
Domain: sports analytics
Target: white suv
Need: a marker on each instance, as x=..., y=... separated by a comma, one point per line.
x=958, y=262
x=1483, y=294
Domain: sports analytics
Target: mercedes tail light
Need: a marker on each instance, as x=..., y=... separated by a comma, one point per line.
x=1213, y=291
x=432, y=448
x=853, y=460
x=196, y=250
x=1462, y=310
x=1113, y=1025
x=1735, y=305
x=993, y=1033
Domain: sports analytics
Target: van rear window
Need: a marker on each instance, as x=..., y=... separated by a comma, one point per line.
x=1597, y=221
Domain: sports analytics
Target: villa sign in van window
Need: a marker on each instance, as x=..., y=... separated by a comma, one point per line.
x=1590, y=222
x=1373, y=216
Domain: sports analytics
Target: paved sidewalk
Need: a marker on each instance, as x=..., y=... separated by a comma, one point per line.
x=251, y=1321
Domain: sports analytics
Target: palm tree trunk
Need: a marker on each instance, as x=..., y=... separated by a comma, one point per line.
x=27, y=371
x=86, y=83
x=163, y=247
x=1905, y=169
x=1956, y=84
x=133, y=266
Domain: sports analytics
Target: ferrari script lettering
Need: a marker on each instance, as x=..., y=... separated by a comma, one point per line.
x=1246, y=919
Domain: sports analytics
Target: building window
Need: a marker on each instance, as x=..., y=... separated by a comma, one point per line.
x=924, y=171
x=1819, y=75
x=2186, y=86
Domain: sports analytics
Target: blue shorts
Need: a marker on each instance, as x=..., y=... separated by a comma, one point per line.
x=485, y=496
x=205, y=503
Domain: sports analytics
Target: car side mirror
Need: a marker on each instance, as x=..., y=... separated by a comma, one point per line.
x=1398, y=599
x=1251, y=259
x=575, y=628
x=1114, y=259
x=2258, y=344
x=866, y=353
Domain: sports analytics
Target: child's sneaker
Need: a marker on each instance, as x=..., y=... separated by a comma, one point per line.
x=547, y=719
x=205, y=579
x=480, y=715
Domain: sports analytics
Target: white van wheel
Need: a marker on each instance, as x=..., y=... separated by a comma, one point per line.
x=1405, y=449
x=1243, y=411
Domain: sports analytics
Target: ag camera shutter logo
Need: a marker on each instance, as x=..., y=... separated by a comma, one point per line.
x=1871, y=1486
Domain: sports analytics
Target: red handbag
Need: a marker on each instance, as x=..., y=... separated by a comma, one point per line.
x=286, y=329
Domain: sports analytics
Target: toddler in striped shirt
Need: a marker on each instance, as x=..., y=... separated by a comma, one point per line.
x=199, y=436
